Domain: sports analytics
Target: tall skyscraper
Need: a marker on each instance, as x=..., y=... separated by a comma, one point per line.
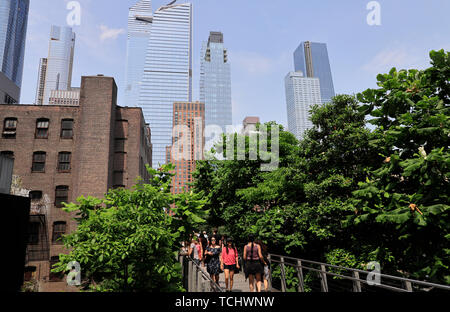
x=311, y=58
x=13, y=30
x=167, y=76
x=55, y=72
x=215, y=82
x=140, y=20
x=301, y=93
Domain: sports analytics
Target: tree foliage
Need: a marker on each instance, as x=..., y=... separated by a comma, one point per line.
x=127, y=242
x=349, y=193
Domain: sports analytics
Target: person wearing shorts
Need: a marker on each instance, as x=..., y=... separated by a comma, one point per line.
x=229, y=262
x=253, y=267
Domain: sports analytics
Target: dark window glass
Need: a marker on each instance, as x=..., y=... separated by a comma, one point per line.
x=61, y=195
x=10, y=128
x=59, y=229
x=39, y=162
x=55, y=277
x=33, y=233
x=36, y=195
x=28, y=273
x=64, y=162
x=7, y=154
x=67, y=129
x=42, y=128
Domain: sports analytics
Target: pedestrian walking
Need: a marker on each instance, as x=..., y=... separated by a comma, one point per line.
x=195, y=250
x=213, y=264
x=204, y=242
x=229, y=263
x=266, y=265
x=253, y=267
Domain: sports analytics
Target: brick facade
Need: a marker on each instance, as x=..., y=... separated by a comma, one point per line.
x=109, y=148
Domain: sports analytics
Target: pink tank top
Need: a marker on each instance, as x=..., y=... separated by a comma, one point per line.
x=230, y=258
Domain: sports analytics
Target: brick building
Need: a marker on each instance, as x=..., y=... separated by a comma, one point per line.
x=187, y=143
x=64, y=152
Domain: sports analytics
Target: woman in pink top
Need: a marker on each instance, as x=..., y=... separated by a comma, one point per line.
x=229, y=262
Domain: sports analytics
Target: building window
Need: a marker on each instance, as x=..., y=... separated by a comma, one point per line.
x=35, y=196
x=64, y=162
x=59, y=229
x=7, y=154
x=9, y=128
x=42, y=128
x=39, y=162
x=55, y=277
x=118, y=179
x=67, y=129
x=120, y=145
x=61, y=195
x=28, y=273
x=33, y=233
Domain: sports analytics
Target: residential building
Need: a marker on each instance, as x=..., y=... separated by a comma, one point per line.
x=13, y=30
x=55, y=71
x=167, y=76
x=140, y=18
x=250, y=123
x=188, y=143
x=301, y=94
x=311, y=58
x=62, y=152
x=215, y=82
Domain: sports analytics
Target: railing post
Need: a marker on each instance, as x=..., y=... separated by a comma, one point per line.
x=270, y=271
x=323, y=278
x=283, y=275
x=190, y=275
x=196, y=279
x=356, y=284
x=408, y=286
x=301, y=286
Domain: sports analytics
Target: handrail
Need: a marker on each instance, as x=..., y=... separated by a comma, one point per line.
x=355, y=272
x=194, y=277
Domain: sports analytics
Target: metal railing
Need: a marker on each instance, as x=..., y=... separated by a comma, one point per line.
x=343, y=279
x=195, y=278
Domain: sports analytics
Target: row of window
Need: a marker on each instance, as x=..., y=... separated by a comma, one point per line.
x=39, y=159
x=59, y=229
x=61, y=195
x=42, y=128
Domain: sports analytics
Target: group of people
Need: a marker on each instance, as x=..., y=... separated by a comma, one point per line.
x=220, y=254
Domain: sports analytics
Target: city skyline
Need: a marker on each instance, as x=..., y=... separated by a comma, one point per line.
x=258, y=69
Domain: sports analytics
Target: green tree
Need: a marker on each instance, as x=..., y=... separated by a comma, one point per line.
x=127, y=242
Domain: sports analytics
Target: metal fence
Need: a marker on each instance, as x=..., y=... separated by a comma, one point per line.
x=292, y=274
x=195, y=277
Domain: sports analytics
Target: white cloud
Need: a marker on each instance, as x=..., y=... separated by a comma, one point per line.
x=110, y=33
x=399, y=58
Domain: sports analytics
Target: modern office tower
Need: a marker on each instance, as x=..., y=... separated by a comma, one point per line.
x=215, y=82
x=187, y=144
x=311, y=58
x=167, y=73
x=301, y=93
x=140, y=20
x=55, y=72
x=13, y=30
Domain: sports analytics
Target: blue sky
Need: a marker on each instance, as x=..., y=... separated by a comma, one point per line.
x=261, y=37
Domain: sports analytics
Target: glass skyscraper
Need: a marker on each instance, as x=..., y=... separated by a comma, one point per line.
x=167, y=76
x=140, y=20
x=311, y=58
x=301, y=93
x=13, y=29
x=55, y=72
x=215, y=82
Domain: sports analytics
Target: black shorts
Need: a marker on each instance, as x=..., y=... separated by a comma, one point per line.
x=253, y=267
x=229, y=267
